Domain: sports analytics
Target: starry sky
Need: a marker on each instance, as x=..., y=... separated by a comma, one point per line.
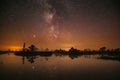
x=58, y=24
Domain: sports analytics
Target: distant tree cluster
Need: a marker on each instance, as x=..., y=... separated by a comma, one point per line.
x=30, y=48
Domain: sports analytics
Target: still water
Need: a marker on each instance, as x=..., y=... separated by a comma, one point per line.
x=53, y=67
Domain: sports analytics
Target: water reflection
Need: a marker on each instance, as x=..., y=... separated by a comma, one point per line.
x=57, y=67
x=30, y=57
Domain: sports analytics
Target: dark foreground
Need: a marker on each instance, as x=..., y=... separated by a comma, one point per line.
x=59, y=66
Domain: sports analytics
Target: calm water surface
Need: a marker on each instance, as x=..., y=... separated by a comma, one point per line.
x=14, y=67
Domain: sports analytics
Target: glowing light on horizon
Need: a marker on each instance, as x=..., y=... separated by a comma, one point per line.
x=14, y=48
x=67, y=46
x=56, y=24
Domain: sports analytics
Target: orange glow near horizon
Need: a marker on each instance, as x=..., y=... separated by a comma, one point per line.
x=56, y=24
x=14, y=48
x=67, y=46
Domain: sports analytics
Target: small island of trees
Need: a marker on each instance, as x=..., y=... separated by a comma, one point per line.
x=32, y=50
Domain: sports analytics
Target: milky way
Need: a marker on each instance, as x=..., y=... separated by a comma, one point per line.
x=58, y=24
x=51, y=21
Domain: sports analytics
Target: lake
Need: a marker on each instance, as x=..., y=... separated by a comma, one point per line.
x=64, y=67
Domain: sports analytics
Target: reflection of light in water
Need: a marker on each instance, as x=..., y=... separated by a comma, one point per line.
x=33, y=67
x=63, y=65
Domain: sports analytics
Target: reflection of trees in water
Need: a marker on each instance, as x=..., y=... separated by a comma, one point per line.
x=107, y=54
x=30, y=59
x=23, y=59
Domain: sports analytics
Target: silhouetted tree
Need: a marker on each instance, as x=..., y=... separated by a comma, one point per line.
x=116, y=51
x=73, y=50
x=24, y=47
x=74, y=53
x=46, y=49
x=102, y=49
x=60, y=52
x=32, y=48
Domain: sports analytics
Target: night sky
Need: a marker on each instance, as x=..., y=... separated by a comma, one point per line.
x=58, y=24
